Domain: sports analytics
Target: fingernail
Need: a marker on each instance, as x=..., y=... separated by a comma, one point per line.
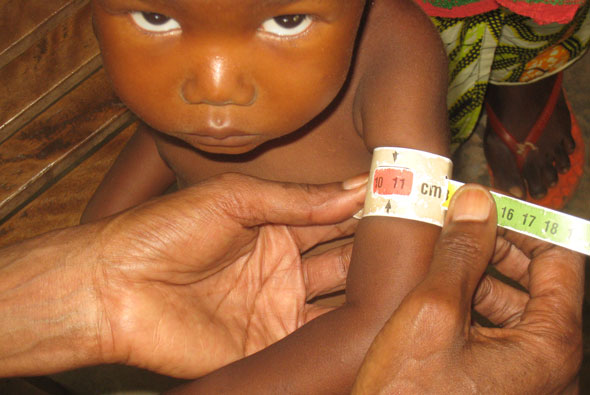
x=355, y=182
x=471, y=203
x=359, y=214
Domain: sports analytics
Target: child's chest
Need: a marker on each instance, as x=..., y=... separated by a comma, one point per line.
x=323, y=155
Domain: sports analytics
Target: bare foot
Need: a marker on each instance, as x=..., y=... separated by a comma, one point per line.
x=518, y=108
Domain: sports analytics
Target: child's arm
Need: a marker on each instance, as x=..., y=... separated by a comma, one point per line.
x=400, y=101
x=138, y=174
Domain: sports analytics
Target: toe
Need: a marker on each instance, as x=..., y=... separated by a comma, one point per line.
x=503, y=166
x=562, y=160
x=534, y=179
x=568, y=143
x=549, y=174
x=561, y=124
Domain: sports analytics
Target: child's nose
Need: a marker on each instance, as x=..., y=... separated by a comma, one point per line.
x=219, y=82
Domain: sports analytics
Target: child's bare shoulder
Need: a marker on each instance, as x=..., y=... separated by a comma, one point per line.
x=389, y=24
x=400, y=79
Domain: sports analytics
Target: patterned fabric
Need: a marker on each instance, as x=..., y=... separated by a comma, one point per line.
x=541, y=11
x=456, y=8
x=501, y=47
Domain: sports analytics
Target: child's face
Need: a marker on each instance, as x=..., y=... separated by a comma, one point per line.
x=227, y=75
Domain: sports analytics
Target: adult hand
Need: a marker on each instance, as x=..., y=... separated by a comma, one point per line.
x=180, y=285
x=431, y=345
x=208, y=275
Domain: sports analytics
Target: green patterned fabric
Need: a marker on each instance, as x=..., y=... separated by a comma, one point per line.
x=500, y=47
x=448, y=4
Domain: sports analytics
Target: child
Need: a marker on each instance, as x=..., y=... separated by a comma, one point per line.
x=293, y=90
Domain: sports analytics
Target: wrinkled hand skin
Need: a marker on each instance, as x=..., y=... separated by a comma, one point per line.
x=205, y=276
x=431, y=345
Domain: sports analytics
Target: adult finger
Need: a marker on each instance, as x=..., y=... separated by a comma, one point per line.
x=463, y=249
x=499, y=302
x=252, y=201
x=509, y=259
x=326, y=272
x=555, y=278
x=553, y=317
x=556, y=288
x=307, y=237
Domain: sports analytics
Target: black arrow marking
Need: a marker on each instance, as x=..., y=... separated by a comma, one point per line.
x=388, y=206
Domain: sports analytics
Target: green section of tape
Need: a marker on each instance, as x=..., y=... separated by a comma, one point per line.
x=539, y=222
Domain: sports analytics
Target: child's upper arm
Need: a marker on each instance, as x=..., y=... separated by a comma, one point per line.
x=400, y=101
x=138, y=174
x=402, y=89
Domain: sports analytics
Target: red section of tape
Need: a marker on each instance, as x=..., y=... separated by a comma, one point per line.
x=393, y=181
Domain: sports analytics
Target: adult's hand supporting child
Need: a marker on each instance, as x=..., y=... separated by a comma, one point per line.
x=180, y=285
x=430, y=344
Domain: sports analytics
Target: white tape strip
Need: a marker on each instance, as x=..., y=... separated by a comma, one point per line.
x=411, y=184
x=407, y=183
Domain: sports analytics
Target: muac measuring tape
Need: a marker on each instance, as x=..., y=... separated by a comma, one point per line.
x=416, y=185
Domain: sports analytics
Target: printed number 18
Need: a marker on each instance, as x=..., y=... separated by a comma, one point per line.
x=551, y=227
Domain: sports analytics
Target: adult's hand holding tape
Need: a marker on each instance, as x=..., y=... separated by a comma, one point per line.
x=431, y=344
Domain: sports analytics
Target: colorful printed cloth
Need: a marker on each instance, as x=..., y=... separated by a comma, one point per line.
x=541, y=11
x=501, y=47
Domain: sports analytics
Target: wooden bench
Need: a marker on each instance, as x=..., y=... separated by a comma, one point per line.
x=61, y=126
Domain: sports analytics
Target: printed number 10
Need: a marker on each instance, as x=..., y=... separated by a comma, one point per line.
x=379, y=182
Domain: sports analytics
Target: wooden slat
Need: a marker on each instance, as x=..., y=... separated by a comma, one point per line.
x=57, y=140
x=62, y=204
x=46, y=71
x=23, y=22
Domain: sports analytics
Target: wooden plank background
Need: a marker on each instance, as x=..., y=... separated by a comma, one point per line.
x=25, y=21
x=57, y=111
x=39, y=76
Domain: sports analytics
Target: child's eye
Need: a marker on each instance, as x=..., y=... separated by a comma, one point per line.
x=153, y=22
x=287, y=25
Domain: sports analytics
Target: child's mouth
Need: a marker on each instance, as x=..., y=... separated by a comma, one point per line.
x=227, y=141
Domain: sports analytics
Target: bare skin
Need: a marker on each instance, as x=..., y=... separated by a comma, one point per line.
x=518, y=107
x=430, y=344
x=149, y=288
x=231, y=92
x=120, y=291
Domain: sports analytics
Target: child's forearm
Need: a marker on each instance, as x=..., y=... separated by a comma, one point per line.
x=390, y=257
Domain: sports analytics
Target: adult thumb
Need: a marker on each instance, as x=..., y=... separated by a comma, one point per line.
x=465, y=246
x=252, y=201
x=431, y=317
